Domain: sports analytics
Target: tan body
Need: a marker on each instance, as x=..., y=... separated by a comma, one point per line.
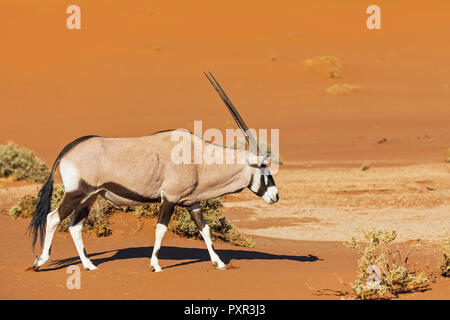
x=144, y=166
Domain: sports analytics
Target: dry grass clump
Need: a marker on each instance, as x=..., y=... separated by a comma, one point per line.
x=329, y=65
x=25, y=208
x=444, y=264
x=377, y=257
x=220, y=227
x=21, y=164
x=181, y=223
x=97, y=220
x=340, y=89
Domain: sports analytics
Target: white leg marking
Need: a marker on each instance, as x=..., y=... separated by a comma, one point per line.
x=52, y=223
x=75, y=232
x=70, y=175
x=160, y=232
x=214, y=257
x=270, y=196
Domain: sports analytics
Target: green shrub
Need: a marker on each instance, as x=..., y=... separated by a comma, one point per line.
x=21, y=164
x=24, y=208
x=395, y=278
x=96, y=221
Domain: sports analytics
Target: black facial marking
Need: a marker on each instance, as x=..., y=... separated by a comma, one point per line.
x=262, y=187
x=270, y=181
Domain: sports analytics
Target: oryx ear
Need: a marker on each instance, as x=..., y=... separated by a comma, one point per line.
x=255, y=161
x=266, y=161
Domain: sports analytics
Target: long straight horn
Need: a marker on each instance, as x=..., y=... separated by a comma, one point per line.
x=237, y=117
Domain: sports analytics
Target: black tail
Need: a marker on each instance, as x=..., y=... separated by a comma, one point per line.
x=43, y=208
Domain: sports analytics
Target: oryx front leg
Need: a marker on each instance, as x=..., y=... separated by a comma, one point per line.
x=52, y=222
x=197, y=216
x=165, y=212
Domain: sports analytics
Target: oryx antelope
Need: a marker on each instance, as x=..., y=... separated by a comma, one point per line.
x=135, y=171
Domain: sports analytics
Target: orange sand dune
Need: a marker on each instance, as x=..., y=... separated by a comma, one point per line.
x=135, y=69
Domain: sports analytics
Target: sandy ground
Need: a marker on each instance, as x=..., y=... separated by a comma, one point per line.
x=335, y=204
x=135, y=69
x=275, y=269
x=299, y=242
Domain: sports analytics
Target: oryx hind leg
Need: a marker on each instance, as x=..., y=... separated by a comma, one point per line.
x=165, y=212
x=75, y=229
x=197, y=216
x=53, y=219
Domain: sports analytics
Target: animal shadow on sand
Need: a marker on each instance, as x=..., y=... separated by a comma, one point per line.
x=188, y=255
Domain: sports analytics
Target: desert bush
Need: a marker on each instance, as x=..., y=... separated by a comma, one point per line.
x=21, y=164
x=396, y=278
x=97, y=220
x=181, y=223
x=340, y=89
x=444, y=264
x=25, y=208
x=329, y=65
x=365, y=166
